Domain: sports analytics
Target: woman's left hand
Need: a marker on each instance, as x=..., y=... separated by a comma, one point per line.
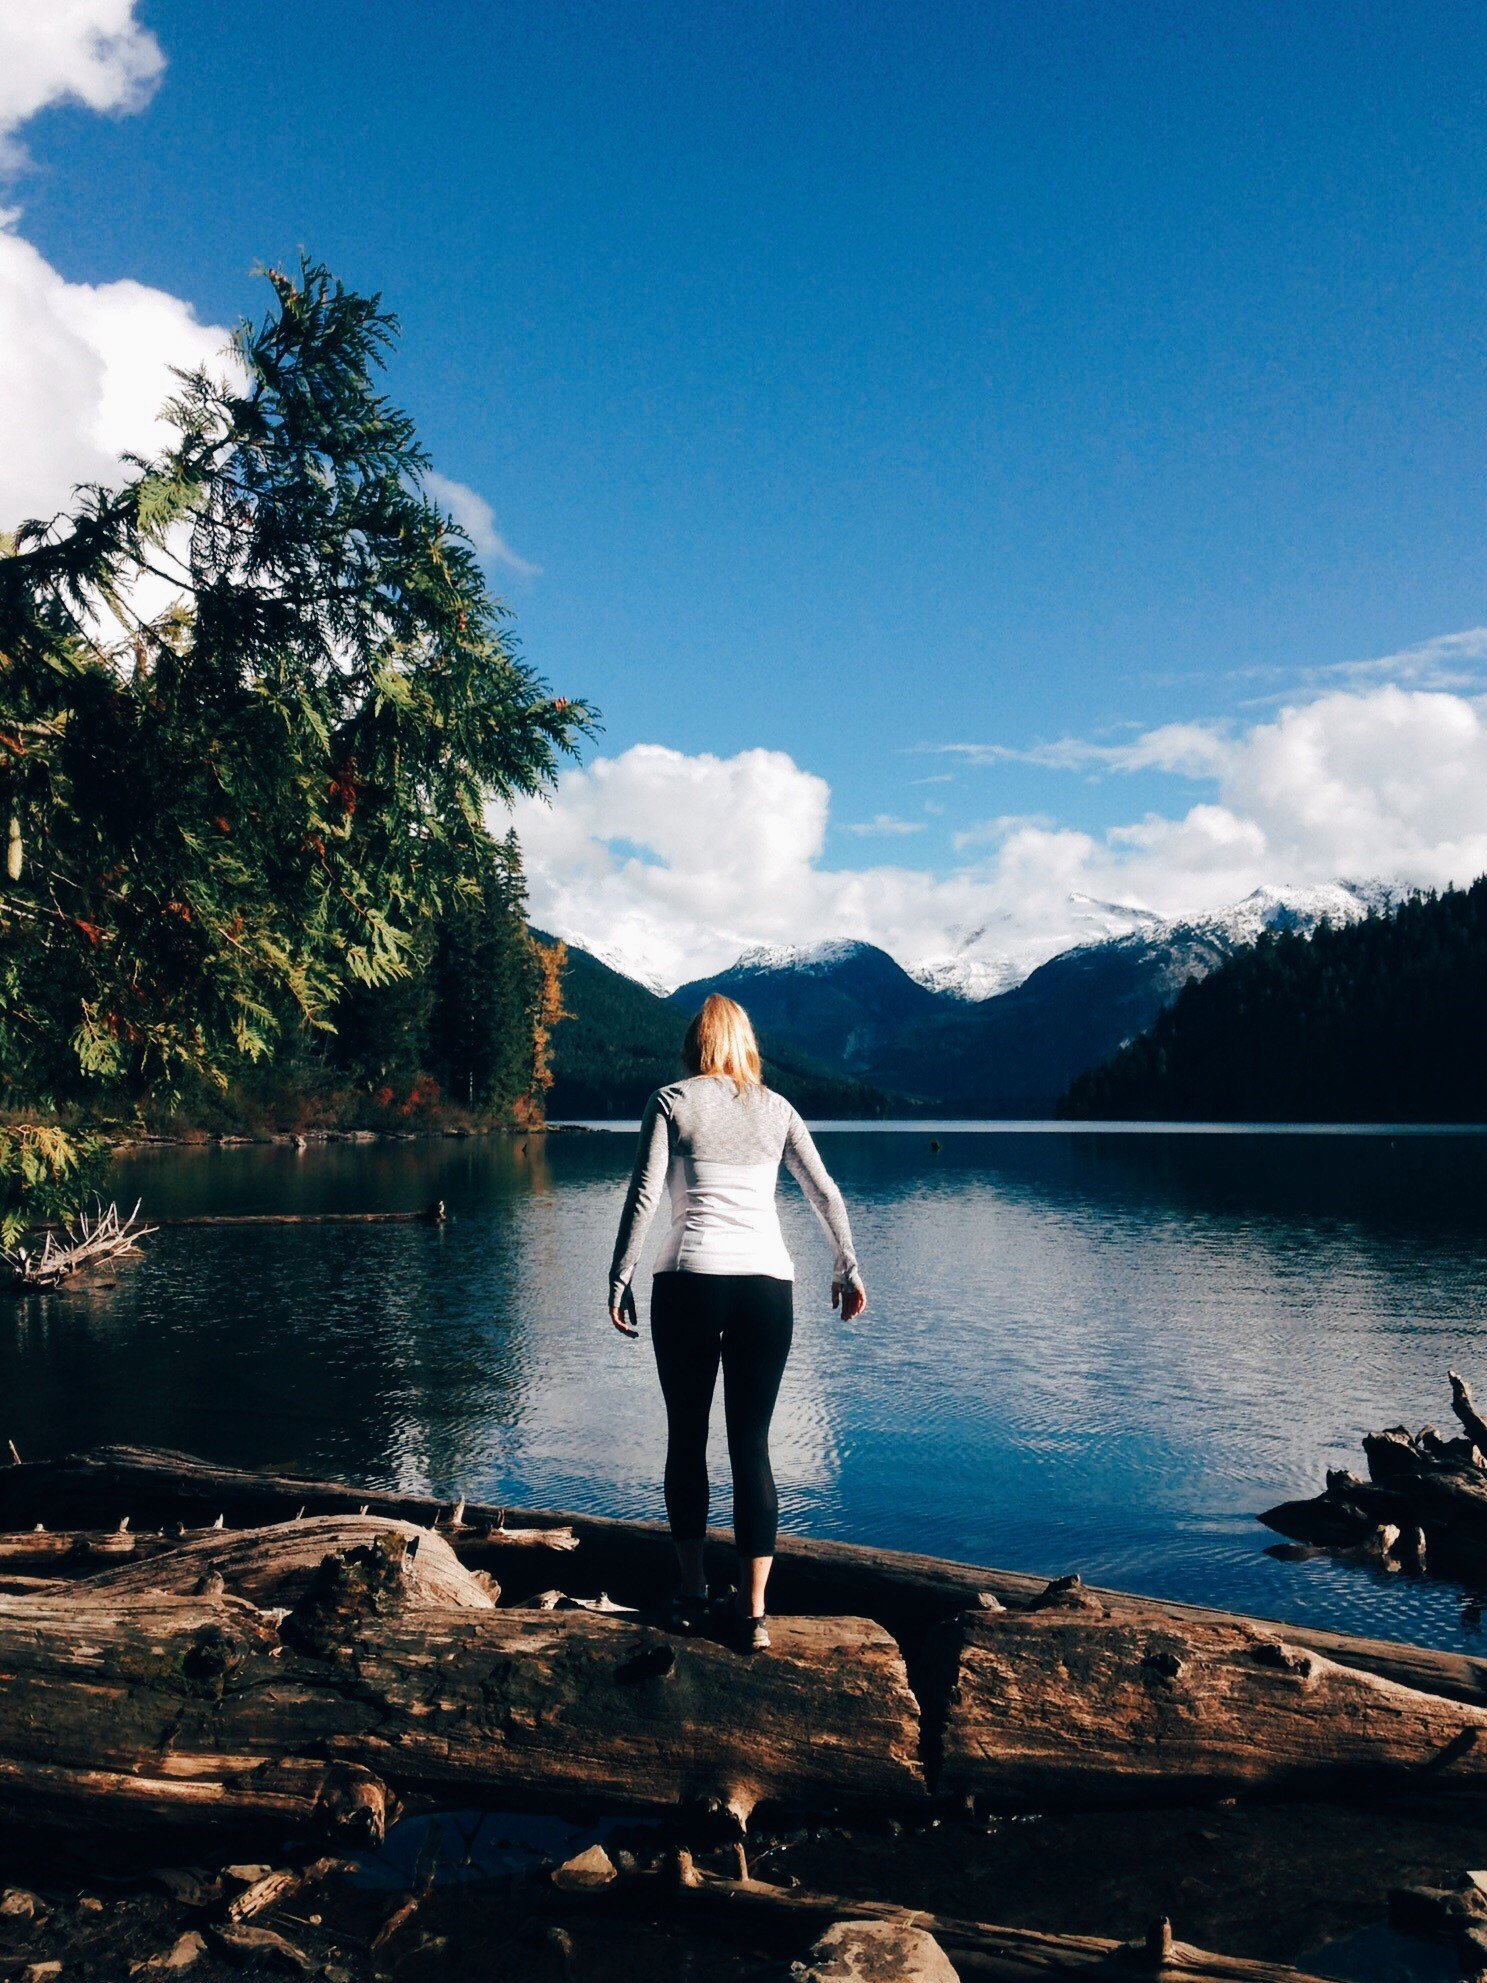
x=625, y=1328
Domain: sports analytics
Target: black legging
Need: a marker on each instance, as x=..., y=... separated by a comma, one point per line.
x=744, y=1320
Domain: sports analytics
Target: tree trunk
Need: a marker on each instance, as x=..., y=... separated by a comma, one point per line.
x=276, y=1566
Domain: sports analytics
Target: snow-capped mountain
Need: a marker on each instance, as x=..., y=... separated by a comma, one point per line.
x=933, y=1032
x=813, y=959
x=617, y=960
x=1301, y=908
x=844, y=1003
x=986, y=962
x=994, y=956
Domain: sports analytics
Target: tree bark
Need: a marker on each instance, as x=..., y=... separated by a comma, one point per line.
x=1052, y=1707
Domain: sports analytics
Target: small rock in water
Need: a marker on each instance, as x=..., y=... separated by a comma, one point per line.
x=41, y=1972
x=585, y=1870
x=19, y=1904
x=89, y=1903
x=854, y=1951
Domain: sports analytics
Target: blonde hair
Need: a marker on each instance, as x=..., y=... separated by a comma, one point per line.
x=720, y=1040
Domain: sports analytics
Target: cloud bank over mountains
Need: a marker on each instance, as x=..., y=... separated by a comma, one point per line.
x=672, y=864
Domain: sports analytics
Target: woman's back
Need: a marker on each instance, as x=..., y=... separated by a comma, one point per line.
x=716, y=1147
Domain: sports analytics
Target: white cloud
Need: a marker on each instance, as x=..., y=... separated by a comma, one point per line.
x=92, y=52
x=477, y=519
x=87, y=366
x=1390, y=784
x=1449, y=661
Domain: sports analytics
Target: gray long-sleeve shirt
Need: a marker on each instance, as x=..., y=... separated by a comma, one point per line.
x=717, y=1151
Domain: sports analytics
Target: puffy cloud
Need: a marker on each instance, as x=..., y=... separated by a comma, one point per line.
x=477, y=519
x=673, y=864
x=92, y=52
x=87, y=366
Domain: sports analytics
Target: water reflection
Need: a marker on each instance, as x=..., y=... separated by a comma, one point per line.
x=1085, y=1350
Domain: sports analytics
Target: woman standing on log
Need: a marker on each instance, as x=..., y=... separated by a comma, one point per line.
x=723, y=1288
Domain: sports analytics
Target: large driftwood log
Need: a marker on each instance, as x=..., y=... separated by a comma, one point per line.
x=905, y=1593
x=1057, y=1706
x=117, y=1706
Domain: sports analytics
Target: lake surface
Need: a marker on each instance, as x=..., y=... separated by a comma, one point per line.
x=1087, y=1349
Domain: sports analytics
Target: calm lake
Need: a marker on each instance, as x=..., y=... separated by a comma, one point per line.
x=1087, y=1349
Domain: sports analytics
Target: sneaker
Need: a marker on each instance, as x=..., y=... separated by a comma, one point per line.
x=686, y=1611
x=748, y=1635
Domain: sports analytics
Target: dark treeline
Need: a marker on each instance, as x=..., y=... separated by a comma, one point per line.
x=1379, y=1021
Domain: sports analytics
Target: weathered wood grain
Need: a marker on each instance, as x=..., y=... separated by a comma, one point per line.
x=1054, y=1707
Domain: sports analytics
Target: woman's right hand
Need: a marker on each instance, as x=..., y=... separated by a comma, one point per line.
x=622, y=1314
x=851, y=1301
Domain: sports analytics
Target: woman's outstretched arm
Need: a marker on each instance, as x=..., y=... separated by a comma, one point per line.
x=647, y=1181
x=806, y=1167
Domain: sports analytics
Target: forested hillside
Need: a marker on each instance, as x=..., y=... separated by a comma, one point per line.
x=1383, y=1021
x=619, y=1042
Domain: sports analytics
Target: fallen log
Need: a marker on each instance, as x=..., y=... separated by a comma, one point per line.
x=977, y=1948
x=429, y=1215
x=121, y=1706
x=1080, y=1706
x=276, y=1566
x=907, y=1594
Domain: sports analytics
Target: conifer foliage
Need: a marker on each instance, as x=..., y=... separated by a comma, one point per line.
x=1379, y=1021
x=253, y=704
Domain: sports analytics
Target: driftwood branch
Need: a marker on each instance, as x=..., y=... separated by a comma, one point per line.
x=1465, y=1407
x=103, y=1236
x=978, y=1948
x=1424, y=1502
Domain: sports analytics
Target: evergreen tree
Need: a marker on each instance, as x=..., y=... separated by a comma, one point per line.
x=1377, y=1021
x=222, y=811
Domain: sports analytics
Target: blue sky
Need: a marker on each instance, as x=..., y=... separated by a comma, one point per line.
x=853, y=378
